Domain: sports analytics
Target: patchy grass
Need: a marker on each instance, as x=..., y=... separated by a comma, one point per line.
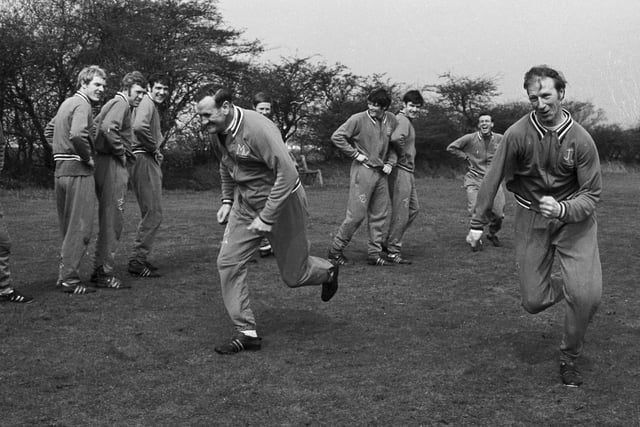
x=440, y=342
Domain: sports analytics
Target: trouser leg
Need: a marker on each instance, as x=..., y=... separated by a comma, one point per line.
x=5, y=251
x=147, y=185
x=404, y=208
x=497, y=212
x=378, y=212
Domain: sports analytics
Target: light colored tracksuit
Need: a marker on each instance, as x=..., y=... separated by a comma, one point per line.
x=113, y=146
x=72, y=134
x=564, y=164
x=402, y=188
x=5, y=239
x=479, y=152
x=259, y=178
x=146, y=176
x=368, y=185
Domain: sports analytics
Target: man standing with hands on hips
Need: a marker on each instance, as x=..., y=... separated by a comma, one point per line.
x=550, y=163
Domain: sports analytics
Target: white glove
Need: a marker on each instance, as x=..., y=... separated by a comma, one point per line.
x=473, y=239
x=387, y=169
x=361, y=158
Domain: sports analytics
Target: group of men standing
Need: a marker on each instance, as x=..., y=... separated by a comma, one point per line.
x=546, y=159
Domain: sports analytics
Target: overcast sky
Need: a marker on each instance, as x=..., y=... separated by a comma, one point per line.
x=596, y=43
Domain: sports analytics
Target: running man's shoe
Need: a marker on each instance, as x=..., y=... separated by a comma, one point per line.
x=240, y=342
x=330, y=287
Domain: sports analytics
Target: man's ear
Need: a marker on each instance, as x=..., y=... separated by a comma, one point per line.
x=561, y=94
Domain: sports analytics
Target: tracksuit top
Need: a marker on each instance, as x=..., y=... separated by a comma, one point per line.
x=255, y=166
x=363, y=134
x=477, y=151
x=145, y=122
x=536, y=162
x=113, y=126
x=72, y=134
x=403, y=142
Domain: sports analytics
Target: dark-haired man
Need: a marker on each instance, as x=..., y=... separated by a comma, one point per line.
x=261, y=196
x=113, y=149
x=146, y=173
x=364, y=137
x=551, y=165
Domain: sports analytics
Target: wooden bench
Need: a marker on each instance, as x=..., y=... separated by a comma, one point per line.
x=309, y=176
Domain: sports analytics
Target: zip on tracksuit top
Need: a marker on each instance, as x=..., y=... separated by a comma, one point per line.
x=145, y=122
x=114, y=127
x=255, y=165
x=537, y=162
x=403, y=142
x=363, y=134
x=72, y=134
x=473, y=148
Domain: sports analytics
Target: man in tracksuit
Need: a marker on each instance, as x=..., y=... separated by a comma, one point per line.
x=73, y=133
x=402, y=187
x=261, y=196
x=113, y=149
x=364, y=137
x=7, y=291
x=146, y=174
x=478, y=149
x=551, y=165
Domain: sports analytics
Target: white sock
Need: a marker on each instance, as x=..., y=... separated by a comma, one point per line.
x=251, y=333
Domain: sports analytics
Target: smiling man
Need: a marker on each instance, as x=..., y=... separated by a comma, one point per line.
x=72, y=134
x=364, y=137
x=261, y=196
x=146, y=173
x=402, y=187
x=113, y=149
x=550, y=163
x=478, y=149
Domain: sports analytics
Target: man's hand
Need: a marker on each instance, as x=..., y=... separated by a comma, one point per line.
x=223, y=213
x=361, y=158
x=387, y=169
x=473, y=239
x=549, y=207
x=259, y=227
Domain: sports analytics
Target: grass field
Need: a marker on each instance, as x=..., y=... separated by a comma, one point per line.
x=440, y=342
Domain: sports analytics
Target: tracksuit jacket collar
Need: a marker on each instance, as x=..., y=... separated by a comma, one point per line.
x=562, y=129
x=235, y=123
x=83, y=96
x=373, y=119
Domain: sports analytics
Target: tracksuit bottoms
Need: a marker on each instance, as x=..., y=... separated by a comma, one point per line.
x=472, y=186
x=538, y=240
x=146, y=181
x=404, y=207
x=290, y=246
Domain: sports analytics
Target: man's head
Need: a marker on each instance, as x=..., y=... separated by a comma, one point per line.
x=214, y=108
x=412, y=101
x=262, y=103
x=92, y=82
x=378, y=101
x=546, y=88
x=485, y=124
x=159, y=85
x=134, y=86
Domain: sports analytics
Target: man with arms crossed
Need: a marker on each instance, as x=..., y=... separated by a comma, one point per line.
x=364, y=137
x=73, y=137
x=478, y=149
x=402, y=187
x=551, y=165
x=261, y=195
x=113, y=149
x=146, y=174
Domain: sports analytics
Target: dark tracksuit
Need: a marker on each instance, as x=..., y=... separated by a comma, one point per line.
x=72, y=133
x=260, y=179
x=564, y=164
x=113, y=146
x=146, y=176
x=478, y=152
x=402, y=187
x=368, y=186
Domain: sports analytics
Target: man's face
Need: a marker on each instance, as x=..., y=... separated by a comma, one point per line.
x=375, y=111
x=485, y=124
x=264, y=108
x=159, y=92
x=135, y=94
x=94, y=89
x=212, y=119
x=411, y=110
x=546, y=101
